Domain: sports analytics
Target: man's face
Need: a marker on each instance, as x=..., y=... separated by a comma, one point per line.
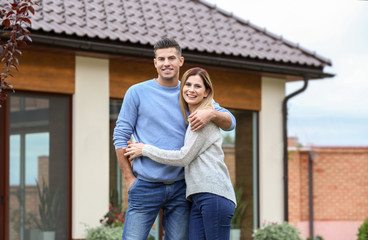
x=167, y=63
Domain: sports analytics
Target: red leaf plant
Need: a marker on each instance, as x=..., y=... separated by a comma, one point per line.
x=114, y=217
x=15, y=20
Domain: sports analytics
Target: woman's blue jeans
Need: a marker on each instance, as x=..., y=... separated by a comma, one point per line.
x=145, y=201
x=210, y=217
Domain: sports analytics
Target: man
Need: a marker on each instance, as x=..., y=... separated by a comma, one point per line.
x=151, y=112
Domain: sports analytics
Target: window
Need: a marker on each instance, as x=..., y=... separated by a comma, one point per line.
x=39, y=161
x=116, y=184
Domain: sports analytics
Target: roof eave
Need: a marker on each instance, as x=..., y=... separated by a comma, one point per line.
x=260, y=66
x=141, y=51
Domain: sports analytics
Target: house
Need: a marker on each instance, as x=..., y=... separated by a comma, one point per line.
x=72, y=79
x=328, y=193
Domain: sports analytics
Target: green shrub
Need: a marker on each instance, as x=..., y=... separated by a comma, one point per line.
x=363, y=231
x=274, y=231
x=316, y=238
x=103, y=232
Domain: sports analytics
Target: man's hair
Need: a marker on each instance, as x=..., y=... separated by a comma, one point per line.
x=167, y=43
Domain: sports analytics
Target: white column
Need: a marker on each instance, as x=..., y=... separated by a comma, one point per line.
x=271, y=151
x=90, y=198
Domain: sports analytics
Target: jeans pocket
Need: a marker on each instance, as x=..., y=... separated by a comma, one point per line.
x=133, y=185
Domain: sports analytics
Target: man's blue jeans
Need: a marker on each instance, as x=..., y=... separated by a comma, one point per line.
x=210, y=217
x=145, y=201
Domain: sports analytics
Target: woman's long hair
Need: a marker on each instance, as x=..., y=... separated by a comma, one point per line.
x=207, y=102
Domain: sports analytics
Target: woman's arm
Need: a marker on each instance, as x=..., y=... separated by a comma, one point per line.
x=195, y=143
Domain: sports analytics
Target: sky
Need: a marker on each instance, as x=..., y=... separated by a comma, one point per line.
x=332, y=111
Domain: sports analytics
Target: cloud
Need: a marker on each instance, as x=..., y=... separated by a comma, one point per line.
x=330, y=111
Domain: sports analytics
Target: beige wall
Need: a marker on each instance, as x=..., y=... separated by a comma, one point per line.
x=90, y=143
x=270, y=151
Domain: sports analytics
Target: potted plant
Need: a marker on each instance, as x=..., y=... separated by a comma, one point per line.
x=275, y=231
x=48, y=210
x=235, y=232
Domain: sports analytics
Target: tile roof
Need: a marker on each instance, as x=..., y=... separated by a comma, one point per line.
x=196, y=24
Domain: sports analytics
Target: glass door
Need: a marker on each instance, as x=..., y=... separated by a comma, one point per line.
x=241, y=157
x=38, y=167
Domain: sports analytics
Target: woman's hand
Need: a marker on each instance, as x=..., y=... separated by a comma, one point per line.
x=133, y=150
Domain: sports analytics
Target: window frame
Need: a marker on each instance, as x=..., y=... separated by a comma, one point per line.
x=5, y=161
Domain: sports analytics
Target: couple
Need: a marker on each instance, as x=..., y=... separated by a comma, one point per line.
x=157, y=116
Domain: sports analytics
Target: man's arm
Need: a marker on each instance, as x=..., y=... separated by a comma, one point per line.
x=200, y=118
x=125, y=167
x=123, y=132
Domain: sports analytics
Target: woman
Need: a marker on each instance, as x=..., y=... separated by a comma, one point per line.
x=207, y=177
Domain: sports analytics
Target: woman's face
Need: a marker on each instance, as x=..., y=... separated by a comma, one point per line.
x=194, y=91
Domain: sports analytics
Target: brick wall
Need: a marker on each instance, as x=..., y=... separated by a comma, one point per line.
x=294, y=186
x=229, y=154
x=340, y=184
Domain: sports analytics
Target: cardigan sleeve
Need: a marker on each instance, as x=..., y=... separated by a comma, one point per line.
x=195, y=143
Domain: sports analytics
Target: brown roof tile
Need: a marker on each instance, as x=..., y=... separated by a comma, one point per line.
x=196, y=24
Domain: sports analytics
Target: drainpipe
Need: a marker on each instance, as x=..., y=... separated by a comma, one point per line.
x=284, y=127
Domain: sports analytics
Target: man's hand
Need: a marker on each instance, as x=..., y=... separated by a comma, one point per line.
x=129, y=182
x=200, y=118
